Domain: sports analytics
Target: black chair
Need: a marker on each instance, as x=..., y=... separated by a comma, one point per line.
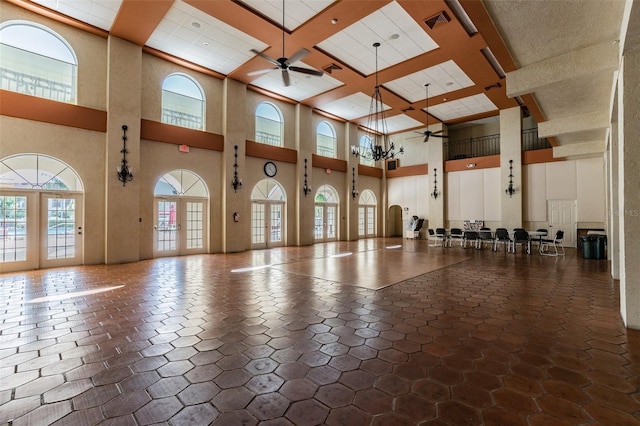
x=433, y=238
x=441, y=235
x=546, y=245
x=538, y=240
x=470, y=237
x=484, y=236
x=502, y=237
x=455, y=234
x=520, y=236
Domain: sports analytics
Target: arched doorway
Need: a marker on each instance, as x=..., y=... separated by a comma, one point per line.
x=367, y=205
x=181, y=215
x=268, y=223
x=41, y=215
x=394, y=218
x=326, y=214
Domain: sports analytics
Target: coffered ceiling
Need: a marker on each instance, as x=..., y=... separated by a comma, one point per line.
x=477, y=56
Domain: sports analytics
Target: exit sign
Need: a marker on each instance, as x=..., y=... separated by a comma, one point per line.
x=183, y=148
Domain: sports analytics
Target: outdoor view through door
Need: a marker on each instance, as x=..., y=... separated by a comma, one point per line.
x=40, y=213
x=181, y=214
x=326, y=214
x=267, y=214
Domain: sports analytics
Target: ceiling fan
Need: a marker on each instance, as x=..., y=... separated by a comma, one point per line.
x=427, y=133
x=284, y=64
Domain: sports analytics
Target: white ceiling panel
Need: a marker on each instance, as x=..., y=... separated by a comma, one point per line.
x=296, y=13
x=400, y=38
x=210, y=43
x=395, y=124
x=442, y=78
x=471, y=105
x=302, y=86
x=350, y=107
x=97, y=13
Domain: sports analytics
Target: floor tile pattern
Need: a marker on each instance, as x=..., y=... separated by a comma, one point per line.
x=493, y=338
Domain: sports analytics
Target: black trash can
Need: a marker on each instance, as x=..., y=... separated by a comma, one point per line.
x=600, y=247
x=587, y=246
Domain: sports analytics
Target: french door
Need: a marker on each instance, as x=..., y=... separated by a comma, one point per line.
x=367, y=221
x=180, y=226
x=40, y=230
x=267, y=224
x=325, y=222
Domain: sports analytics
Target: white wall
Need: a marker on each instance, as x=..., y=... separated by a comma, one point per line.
x=473, y=194
x=411, y=192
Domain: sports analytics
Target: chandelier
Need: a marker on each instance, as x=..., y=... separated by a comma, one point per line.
x=378, y=145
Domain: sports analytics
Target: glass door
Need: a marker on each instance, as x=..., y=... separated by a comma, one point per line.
x=325, y=228
x=60, y=230
x=166, y=228
x=180, y=227
x=266, y=225
x=18, y=248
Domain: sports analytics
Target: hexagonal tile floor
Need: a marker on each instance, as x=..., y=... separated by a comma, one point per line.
x=311, y=336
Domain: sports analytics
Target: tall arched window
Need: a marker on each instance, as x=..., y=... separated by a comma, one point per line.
x=269, y=124
x=326, y=140
x=38, y=62
x=365, y=149
x=183, y=102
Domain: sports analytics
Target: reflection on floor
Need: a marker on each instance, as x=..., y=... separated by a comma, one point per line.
x=386, y=335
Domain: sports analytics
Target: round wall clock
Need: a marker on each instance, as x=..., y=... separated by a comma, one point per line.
x=270, y=168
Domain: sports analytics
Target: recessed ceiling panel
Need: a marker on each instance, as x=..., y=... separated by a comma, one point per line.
x=296, y=12
x=471, y=105
x=397, y=123
x=302, y=86
x=188, y=33
x=442, y=78
x=350, y=107
x=100, y=14
x=399, y=35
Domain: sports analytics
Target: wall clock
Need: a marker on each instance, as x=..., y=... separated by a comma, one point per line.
x=270, y=168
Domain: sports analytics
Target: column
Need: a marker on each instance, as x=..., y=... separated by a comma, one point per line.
x=305, y=145
x=628, y=183
x=351, y=132
x=435, y=158
x=511, y=149
x=124, y=85
x=236, y=234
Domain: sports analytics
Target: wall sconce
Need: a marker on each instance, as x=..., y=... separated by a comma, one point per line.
x=236, y=182
x=125, y=174
x=510, y=191
x=354, y=191
x=305, y=188
x=435, y=192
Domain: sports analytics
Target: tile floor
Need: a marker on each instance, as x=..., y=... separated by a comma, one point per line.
x=479, y=338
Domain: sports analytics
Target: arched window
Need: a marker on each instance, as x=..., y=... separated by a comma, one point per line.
x=34, y=171
x=269, y=124
x=182, y=183
x=326, y=140
x=365, y=150
x=38, y=62
x=183, y=102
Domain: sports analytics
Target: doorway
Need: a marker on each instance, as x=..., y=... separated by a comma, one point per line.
x=561, y=215
x=268, y=221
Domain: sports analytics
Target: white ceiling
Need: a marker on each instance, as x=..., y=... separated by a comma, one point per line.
x=220, y=36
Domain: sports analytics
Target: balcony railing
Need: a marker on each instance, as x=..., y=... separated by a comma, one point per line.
x=490, y=145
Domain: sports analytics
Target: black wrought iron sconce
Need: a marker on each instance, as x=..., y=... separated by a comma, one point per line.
x=511, y=190
x=125, y=173
x=435, y=194
x=354, y=191
x=236, y=182
x=306, y=188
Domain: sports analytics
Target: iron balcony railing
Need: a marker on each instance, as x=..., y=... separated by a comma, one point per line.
x=490, y=145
